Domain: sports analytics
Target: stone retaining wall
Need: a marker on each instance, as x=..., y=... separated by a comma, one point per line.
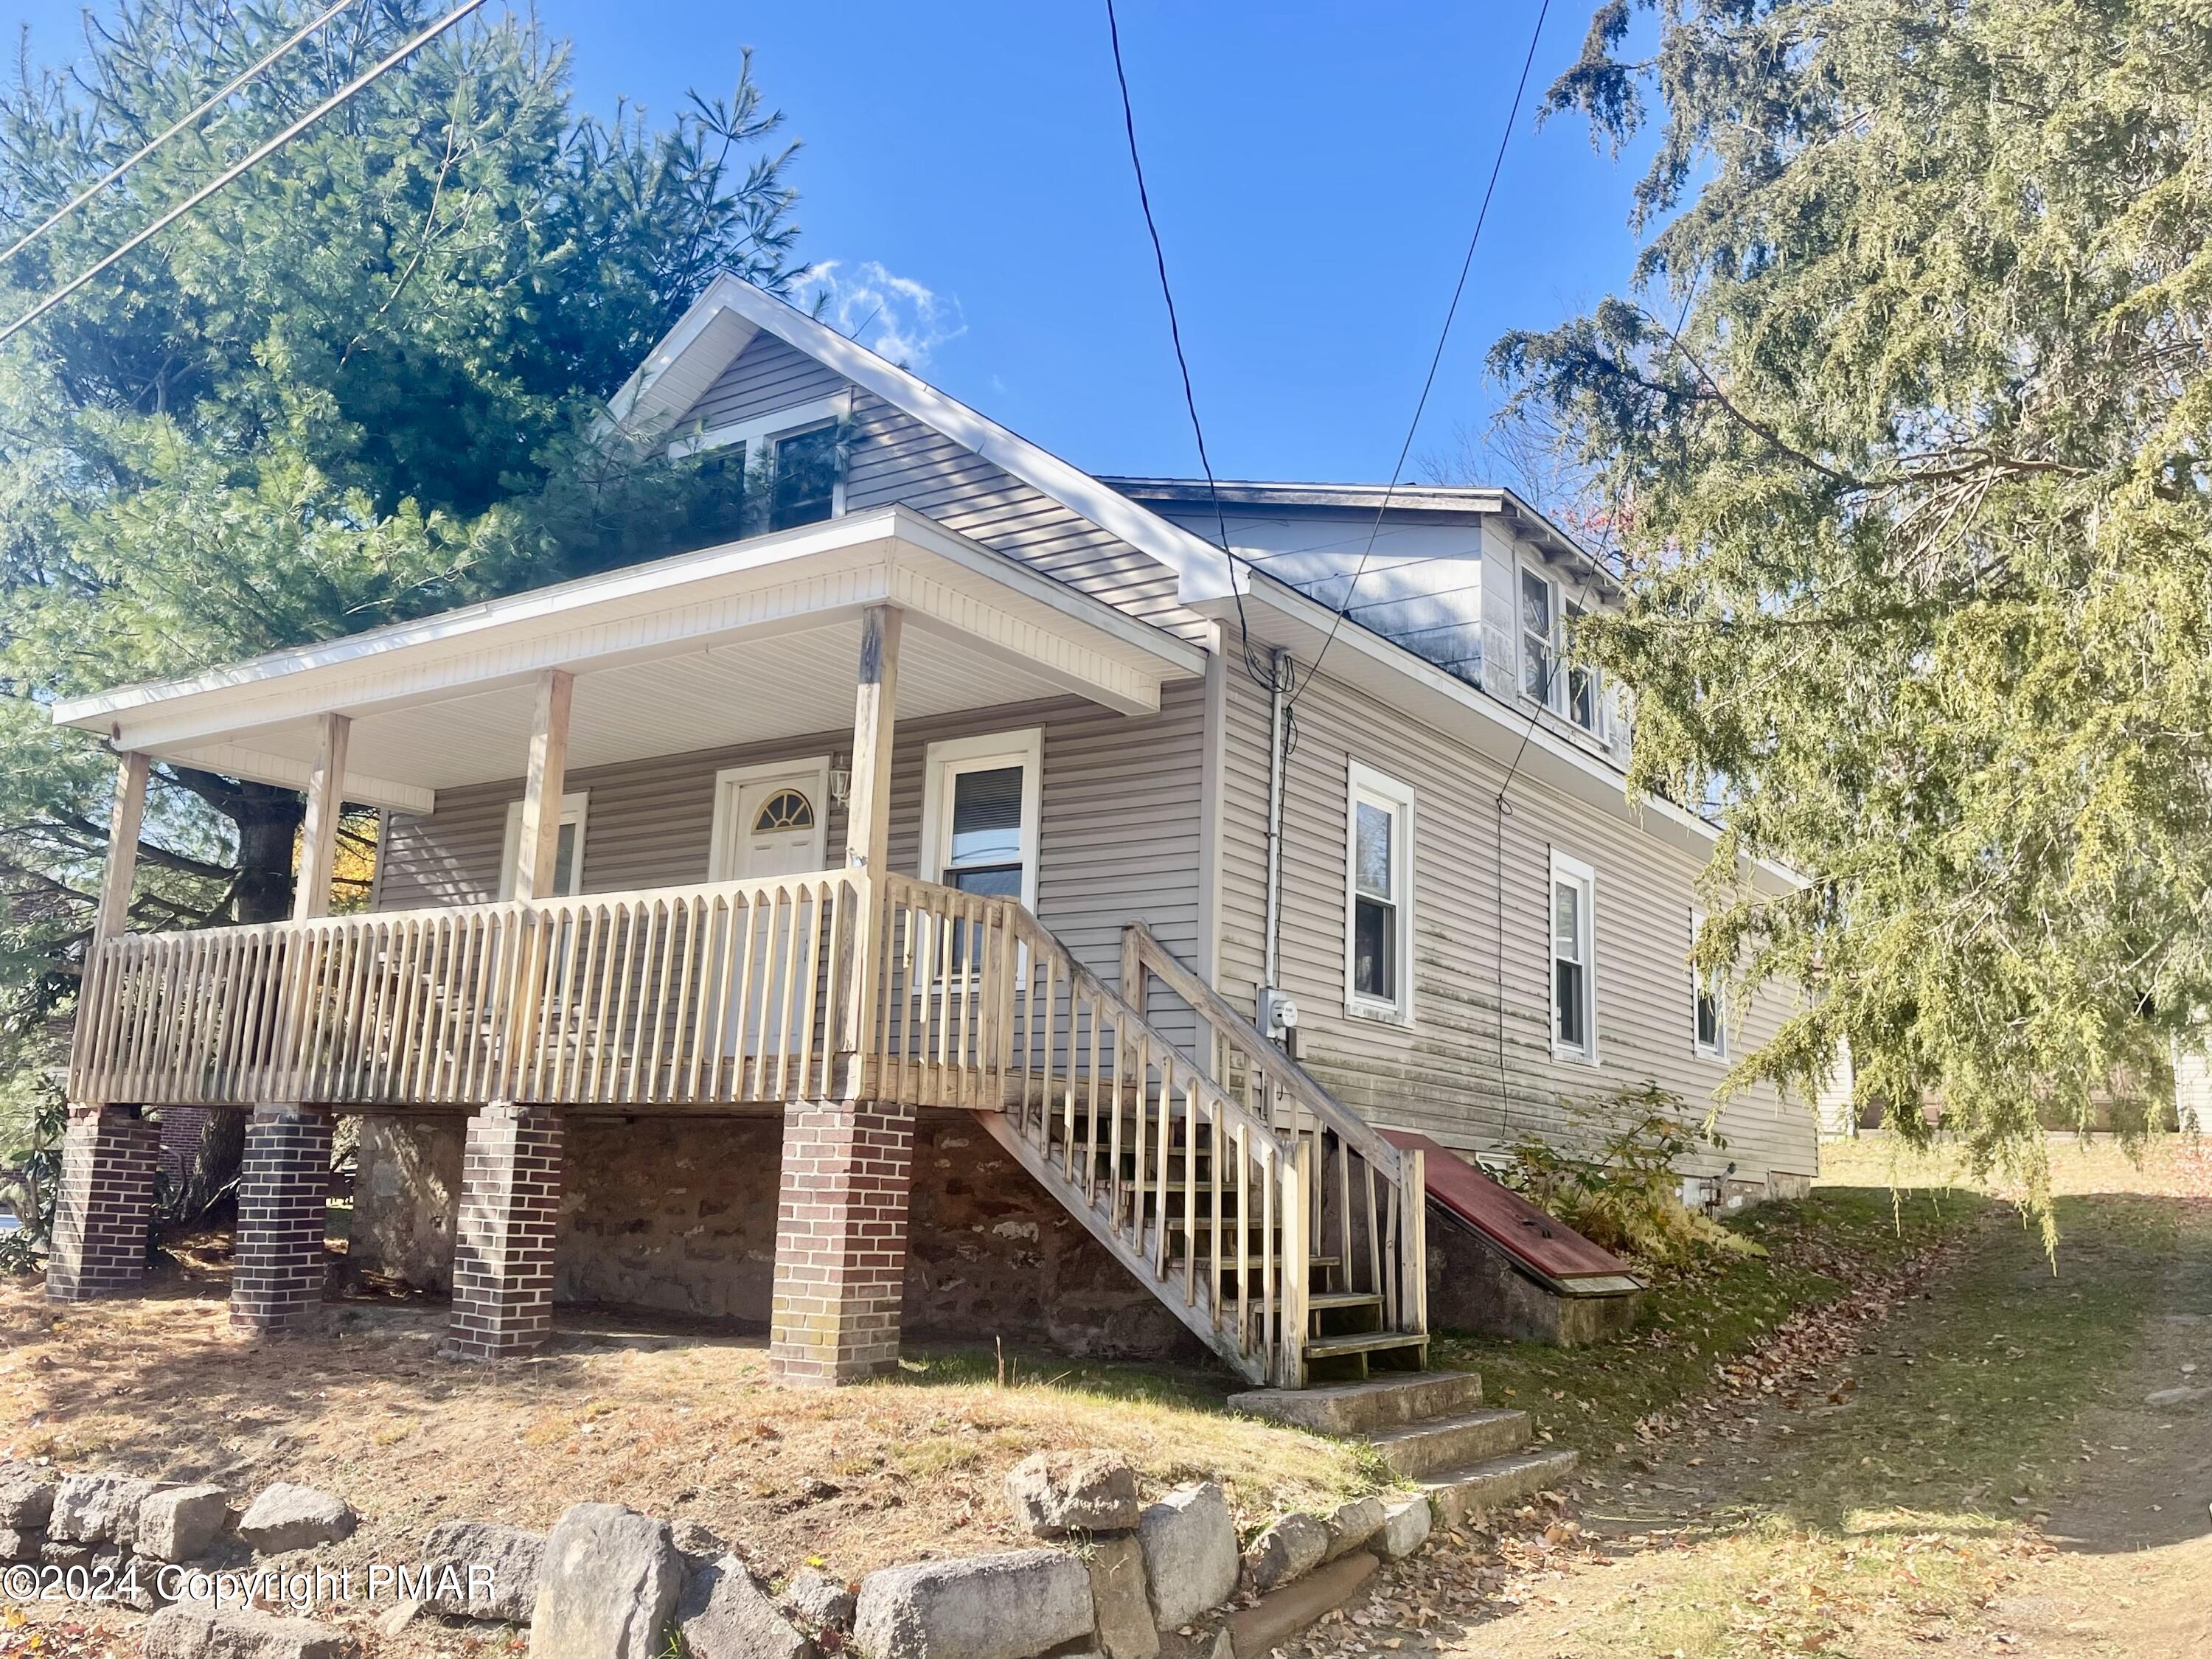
x=678, y=1216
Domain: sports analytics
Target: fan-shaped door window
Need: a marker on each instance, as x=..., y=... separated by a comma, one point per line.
x=787, y=809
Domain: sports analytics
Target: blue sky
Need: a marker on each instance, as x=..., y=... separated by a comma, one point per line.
x=1316, y=168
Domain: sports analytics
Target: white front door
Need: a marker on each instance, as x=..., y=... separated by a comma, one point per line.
x=770, y=821
x=779, y=828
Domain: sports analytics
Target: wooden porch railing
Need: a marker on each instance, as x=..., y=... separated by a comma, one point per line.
x=1367, y=1203
x=1223, y=1188
x=683, y=996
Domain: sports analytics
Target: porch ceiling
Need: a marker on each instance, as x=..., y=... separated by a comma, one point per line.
x=752, y=642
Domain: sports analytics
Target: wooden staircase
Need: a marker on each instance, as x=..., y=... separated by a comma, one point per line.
x=1273, y=1221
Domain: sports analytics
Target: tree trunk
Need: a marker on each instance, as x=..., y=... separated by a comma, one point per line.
x=213, y=1166
x=268, y=820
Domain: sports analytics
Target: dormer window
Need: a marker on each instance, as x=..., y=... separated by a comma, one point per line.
x=1538, y=619
x=1585, y=696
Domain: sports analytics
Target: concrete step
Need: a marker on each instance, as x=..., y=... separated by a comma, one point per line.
x=1366, y=1407
x=1452, y=1443
x=1496, y=1482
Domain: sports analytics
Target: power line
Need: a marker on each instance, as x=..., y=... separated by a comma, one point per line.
x=148, y=148
x=1264, y=677
x=1436, y=358
x=231, y=173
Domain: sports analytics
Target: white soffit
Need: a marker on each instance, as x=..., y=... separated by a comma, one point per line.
x=722, y=322
x=991, y=628
x=751, y=690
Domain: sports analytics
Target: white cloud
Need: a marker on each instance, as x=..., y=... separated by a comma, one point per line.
x=894, y=316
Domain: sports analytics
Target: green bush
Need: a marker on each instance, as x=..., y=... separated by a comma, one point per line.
x=28, y=1174
x=1625, y=1195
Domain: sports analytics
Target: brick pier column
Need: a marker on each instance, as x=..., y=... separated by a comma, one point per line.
x=840, y=1241
x=104, y=1201
x=277, y=1261
x=510, y=1212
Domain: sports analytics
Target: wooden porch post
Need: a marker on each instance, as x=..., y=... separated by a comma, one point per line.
x=319, y=834
x=875, y=710
x=115, y=882
x=867, y=831
x=543, y=781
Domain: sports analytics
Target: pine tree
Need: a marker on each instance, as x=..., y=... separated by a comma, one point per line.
x=356, y=385
x=1904, y=419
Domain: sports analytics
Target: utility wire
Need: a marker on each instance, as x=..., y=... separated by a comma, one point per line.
x=231, y=173
x=1436, y=358
x=153, y=144
x=1264, y=676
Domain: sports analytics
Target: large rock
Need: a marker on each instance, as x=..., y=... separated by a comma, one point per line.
x=290, y=1518
x=18, y=1544
x=820, y=1602
x=723, y=1615
x=988, y=1606
x=1119, y=1605
x=1287, y=1551
x=1350, y=1525
x=97, y=1509
x=181, y=1523
x=26, y=1496
x=606, y=1586
x=1054, y=1493
x=195, y=1631
x=495, y=1568
x=1405, y=1529
x=1189, y=1541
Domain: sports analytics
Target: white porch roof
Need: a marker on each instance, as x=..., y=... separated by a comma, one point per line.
x=749, y=641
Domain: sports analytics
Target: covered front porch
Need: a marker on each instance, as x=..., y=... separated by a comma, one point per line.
x=762, y=967
x=597, y=955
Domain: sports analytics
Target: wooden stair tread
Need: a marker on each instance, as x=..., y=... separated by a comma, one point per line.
x=1233, y=1263
x=1344, y=1299
x=1331, y=1347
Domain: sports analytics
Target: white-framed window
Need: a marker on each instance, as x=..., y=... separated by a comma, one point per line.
x=1378, y=896
x=1585, y=688
x=1574, y=959
x=568, y=863
x=1708, y=1030
x=805, y=485
x=1540, y=643
x=802, y=471
x=979, y=813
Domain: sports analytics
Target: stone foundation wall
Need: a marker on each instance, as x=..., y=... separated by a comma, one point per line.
x=1474, y=1286
x=678, y=1216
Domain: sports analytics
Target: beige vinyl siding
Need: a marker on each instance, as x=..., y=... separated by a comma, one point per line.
x=768, y=375
x=892, y=458
x=1121, y=809
x=1444, y=1075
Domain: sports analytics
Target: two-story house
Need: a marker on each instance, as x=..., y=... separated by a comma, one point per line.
x=887, y=916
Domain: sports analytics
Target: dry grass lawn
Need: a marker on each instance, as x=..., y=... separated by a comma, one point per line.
x=685, y=1426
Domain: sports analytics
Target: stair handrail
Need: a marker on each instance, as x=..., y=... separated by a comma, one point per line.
x=1143, y=952
x=1178, y=1070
